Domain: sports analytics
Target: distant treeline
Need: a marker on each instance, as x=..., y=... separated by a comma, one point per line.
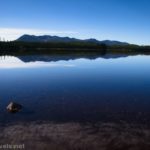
x=49, y=45
x=21, y=47
x=129, y=48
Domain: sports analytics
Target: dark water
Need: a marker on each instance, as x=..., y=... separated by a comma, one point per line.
x=59, y=89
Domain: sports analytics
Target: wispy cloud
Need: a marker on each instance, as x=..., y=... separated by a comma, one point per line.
x=14, y=33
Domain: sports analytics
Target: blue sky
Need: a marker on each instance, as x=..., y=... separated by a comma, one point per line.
x=123, y=20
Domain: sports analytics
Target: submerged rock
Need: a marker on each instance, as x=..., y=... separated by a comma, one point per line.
x=13, y=107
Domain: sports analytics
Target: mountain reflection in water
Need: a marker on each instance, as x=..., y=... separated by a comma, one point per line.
x=76, y=88
x=14, y=62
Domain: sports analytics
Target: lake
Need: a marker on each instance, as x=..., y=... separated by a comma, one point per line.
x=73, y=89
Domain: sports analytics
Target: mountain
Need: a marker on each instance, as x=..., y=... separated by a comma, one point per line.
x=48, y=38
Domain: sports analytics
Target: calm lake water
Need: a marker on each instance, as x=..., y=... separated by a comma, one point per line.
x=82, y=89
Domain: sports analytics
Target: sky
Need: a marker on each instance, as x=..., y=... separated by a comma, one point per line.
x=122, y=20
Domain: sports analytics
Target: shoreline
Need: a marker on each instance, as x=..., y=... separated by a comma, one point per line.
x=74, y=136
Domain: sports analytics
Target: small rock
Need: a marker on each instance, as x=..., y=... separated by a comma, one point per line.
x=13, y=107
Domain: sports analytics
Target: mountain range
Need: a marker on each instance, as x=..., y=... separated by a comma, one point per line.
x=48, y=38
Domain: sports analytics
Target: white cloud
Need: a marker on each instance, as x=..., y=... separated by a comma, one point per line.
x=14, y=33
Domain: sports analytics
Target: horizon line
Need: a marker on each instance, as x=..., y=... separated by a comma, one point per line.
x=12, y=34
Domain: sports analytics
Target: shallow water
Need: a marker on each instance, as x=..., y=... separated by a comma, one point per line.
x=82, y=89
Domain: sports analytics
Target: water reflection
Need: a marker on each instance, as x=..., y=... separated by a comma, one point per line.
x=10, y=62
x=76, y=89
x=53, y=60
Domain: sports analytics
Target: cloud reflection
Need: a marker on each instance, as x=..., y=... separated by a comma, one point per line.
x=10, y=62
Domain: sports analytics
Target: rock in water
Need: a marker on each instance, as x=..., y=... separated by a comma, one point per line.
x=14, y=107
